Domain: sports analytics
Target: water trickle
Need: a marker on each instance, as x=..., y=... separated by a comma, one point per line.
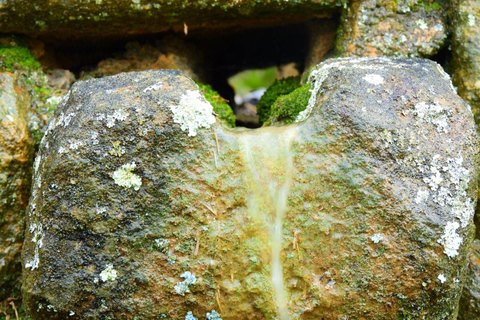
x=269, y=166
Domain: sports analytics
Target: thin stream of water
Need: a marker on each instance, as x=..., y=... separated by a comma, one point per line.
x=269, y=162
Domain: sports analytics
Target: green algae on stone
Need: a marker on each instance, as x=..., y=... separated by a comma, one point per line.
x=362, y=210
x=287, y=107
x=278, y=88
x=220, y=106
x=17, y=57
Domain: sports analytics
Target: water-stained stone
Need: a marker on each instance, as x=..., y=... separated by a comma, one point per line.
x=400, y=28
x=470, y=300
x=144, y=206
x=466, y=52
x=74, y=19
x=15, y=163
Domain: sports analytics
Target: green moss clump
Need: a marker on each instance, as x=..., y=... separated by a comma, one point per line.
x=277, y=89
x=220, y=105
x=12, y=58
x=287, y=107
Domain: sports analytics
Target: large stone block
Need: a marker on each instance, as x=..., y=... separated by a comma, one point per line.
x=15, y=163
x=118, y=18
x=144, y=207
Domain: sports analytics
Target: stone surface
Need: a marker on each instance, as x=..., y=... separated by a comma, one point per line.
x=15, y=163
x=470, y=301
x=144, y=207
x=466, y=52
x=403, y=28
x=117, y=18
x=169, y=53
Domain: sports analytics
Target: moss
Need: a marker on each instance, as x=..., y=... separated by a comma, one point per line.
x=12, y=58
x=287, y=107
x=220, y=105
x=277, y=89
x=430, y=6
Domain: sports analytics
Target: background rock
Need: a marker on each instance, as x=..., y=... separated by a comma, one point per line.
x=403, y=28
x=15, y=169
x=156, y=211
x=466, y=52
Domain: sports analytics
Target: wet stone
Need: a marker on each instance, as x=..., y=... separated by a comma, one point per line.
x=144, y=205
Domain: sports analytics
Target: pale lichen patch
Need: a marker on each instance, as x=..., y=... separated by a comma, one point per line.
x=377, y=238
x=422, y=196
x=450, y=239
x=190, y=316
x=108, y=274
x=193, y=112
x=153, y=87
x=442, y=278
x=126, y=178
x=120, y=115
x=183, y=287
x=373, y=78
x=433, y=113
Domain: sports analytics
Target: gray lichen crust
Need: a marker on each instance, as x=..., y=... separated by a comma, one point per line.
x=377, y=182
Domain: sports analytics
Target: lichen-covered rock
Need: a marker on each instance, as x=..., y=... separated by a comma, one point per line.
x=15, y=163
x=403, y=28
x=144, y=207
x=470, y=300
x=466, y=52
x=117, y=18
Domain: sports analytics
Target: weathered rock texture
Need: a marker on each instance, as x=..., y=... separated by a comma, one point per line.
x=466, y=52
x=402, y=28
x=113, y=18
x=15, y=164
x=470, y=301
x=143, y=207
x=170, y=53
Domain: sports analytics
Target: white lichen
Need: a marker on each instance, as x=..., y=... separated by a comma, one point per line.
x=108, y=274
x=433, y=113
x=120, y=115
x=190, y=316
x=471, y=20
x=37, y=239
x=183, y=287
x=422, y=196
x=450, y=239
x=213, y=315
x=193, y=112
x=376, y=238
x=442, y=278
x=373, y=78
x=153, y=87
x=126, y=178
